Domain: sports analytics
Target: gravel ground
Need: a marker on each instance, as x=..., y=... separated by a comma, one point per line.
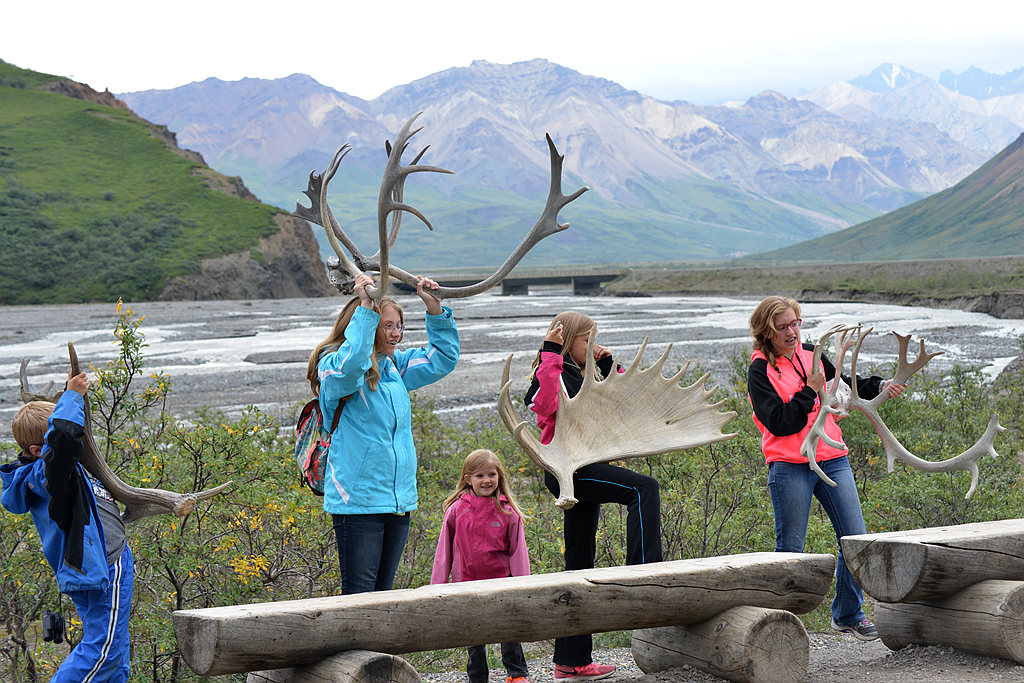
x=833, y=657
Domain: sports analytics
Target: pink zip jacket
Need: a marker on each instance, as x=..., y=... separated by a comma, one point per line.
x=479, y=542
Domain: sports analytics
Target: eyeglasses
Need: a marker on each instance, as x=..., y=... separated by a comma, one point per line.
x=394, y=327
x=793, y=324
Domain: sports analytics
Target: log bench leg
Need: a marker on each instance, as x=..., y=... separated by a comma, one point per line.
x=740, y=644
x=984, y=619
x=351, y=666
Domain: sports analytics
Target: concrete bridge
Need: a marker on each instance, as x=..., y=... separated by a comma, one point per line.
x=585, y=281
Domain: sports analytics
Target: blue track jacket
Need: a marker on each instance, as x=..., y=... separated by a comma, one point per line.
x=371, y=466
x=78, y=552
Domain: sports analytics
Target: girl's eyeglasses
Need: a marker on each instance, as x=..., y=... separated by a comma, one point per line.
x=793, y=324
x=394, y=327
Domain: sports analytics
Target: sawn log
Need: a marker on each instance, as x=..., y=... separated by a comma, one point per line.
x=353, y=666
x=238, y=638
x=921, y=564
x=985, y=619
x=748, y=644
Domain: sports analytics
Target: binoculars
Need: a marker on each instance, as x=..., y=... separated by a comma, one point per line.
x=53, y=626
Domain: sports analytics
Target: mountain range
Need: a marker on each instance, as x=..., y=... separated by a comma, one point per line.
x=669, y=180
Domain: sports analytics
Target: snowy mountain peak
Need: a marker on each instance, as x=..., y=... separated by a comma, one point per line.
x=886, y=77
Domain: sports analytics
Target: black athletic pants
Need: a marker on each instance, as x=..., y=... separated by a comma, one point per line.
x=593, y=485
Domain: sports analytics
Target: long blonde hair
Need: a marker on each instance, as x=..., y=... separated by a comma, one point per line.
x=337, y=336
x=476, y=461
x=573, y=325
x=762, y=320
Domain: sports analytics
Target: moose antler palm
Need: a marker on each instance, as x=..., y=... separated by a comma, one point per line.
x=840, y=398
x=350, y=261
x=627, y=415
x=138, y=502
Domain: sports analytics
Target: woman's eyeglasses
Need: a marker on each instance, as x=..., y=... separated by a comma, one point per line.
x=394, y=327
x=793, y=324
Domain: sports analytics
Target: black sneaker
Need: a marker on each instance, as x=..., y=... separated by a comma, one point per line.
x=863, y=630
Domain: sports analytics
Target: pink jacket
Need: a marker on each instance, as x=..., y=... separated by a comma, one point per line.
x=545, y=400
x=479, y=542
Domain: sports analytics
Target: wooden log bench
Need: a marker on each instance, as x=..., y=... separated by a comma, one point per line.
x=903, y=566
x=961, y=586
x=299, y=633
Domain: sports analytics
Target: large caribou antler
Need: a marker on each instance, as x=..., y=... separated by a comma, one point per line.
x=350, y=261
x=840, y=398
x=138, y=503
x=629, y=415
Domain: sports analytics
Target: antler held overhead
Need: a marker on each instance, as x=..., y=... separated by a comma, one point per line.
x=343, y=268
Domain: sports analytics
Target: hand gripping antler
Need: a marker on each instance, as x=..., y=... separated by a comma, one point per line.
x=833, y=401
x=894, y=450
x=138, y=503
x=629, y=415
x=390, y=202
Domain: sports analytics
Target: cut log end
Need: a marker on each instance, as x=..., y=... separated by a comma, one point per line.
x=357, y=666
x=740, y=644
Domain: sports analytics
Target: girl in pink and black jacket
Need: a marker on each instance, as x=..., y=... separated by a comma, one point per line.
x=561, y=361
x=482, y=538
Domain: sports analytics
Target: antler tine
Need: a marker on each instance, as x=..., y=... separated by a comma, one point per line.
x=397, y=194
x=589, y=374
x=678, y=377
x=394, y=178
x=853, y=361
x=28, y=394
x=905, y=370
x=634, y=365
x=319, y=212
x=545, y=226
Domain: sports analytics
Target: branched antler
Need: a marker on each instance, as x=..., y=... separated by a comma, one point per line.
x=138, y=502
x=629, y=415
x=841, y=398
x=343, y=268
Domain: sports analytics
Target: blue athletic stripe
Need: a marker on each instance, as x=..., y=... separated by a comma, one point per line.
x=639, y=516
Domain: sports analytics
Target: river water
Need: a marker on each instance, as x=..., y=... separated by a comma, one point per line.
x=230, y=354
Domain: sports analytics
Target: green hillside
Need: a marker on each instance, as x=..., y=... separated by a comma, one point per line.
x=982, y=215
x=97, y=204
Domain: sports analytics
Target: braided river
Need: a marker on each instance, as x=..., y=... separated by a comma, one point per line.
x=231, y=354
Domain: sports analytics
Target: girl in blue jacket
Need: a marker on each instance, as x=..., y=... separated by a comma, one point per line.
x=370, y=482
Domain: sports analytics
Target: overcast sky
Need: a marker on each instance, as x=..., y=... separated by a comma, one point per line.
x=704, y=52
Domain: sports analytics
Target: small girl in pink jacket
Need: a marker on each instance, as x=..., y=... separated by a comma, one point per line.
x=482, y=538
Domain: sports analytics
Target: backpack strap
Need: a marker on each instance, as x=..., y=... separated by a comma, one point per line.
x=337, y=415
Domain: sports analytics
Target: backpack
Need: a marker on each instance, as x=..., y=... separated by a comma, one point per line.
x=312, y=444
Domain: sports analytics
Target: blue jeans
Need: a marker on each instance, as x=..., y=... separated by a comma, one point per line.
x=791, y=486
x=369, y=550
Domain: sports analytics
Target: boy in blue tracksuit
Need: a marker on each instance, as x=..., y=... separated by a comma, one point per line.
x=81, y=530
